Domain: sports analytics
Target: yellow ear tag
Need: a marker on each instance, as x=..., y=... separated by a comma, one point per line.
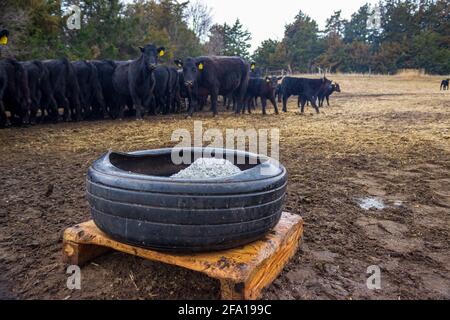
x=253, y=67
x=200, y=66
x=4, y=40
x=161, y=53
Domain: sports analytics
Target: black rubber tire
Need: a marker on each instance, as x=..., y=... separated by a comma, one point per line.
x=134, y=200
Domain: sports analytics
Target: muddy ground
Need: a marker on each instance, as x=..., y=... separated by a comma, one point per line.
x=384, y=137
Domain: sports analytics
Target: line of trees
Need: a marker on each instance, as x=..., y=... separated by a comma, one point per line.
x=409, y=34
x=406, y=34
x=109, y=28
x=114, y=29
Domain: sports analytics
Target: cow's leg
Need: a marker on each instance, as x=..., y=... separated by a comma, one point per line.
x=285, y=99
x=302, y=107
x=4, y=121
x=214, y=96
x=246, y=104
x=139, y=108
x=274, y=103
x=62, y=100
x=121, y=111
x=250, y=105
x=76, y=106
x=192, y=104
x=328, y=100
x=24, y=114
x=264, y=104
x=314, y=104
x=237, y=108
x=52, y=109
x=202, y=102
x=33, y=112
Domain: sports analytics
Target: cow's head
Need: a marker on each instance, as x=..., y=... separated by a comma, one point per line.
x=272, y=82
x=336, y=87
x=151, y=54
x=191, y=70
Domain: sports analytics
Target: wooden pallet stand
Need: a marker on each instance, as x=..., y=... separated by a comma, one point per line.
x=243, y=272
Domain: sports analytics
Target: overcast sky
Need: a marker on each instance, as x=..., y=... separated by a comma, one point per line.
x=267, y=18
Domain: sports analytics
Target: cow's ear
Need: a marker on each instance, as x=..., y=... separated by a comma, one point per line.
x=161, y=51
x=141, y=49
x=178, y=63
x=200, y=65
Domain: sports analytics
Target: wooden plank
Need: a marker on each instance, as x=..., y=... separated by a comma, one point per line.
x=267, y=271
x=243, y=272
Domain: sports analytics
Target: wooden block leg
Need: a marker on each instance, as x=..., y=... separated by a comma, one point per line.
x=269, y=270
x=264, y=274
x=79, y=254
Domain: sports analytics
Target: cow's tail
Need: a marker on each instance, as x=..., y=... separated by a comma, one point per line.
x=242, y=90
x=71, y=74
x=21, y=80
x=43, y=72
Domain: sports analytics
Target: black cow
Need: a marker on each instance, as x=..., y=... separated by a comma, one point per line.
x=263, y=88
x=16, y=94
x=217, y=75
x=105, y=71
x=47, y=103
x=3, y=84
x=136, y=79
x=328, y=91
x=307, y=88
x=325, y=93
x=161, y=95
x=445, y=84
x=91, y=94
x=65, y=88
x=174, y=90
x=36, y=73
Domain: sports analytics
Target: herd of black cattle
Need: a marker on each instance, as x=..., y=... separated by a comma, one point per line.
x=33, y=91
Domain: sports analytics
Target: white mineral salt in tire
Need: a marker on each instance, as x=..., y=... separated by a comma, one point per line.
x=204, y=168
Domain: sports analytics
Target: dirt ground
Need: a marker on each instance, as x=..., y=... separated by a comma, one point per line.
x=384, y=137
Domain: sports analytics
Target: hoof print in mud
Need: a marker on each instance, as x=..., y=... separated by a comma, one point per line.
x=134, y=199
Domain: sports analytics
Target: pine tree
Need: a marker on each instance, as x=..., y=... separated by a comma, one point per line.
x=236, y=40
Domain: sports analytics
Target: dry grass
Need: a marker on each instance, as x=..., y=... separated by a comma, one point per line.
x=411, y=73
